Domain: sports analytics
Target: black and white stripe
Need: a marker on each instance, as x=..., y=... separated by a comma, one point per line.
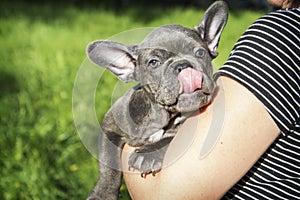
x=266, y=60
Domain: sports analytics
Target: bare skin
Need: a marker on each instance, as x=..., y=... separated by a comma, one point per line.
x=247, y=132
x=283, y=3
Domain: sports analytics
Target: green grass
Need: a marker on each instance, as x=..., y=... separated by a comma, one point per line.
x=41, y=50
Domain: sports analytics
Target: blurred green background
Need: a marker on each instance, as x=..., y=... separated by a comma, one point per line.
x=42, y=46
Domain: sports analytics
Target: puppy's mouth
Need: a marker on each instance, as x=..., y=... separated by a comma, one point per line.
x=190, y=80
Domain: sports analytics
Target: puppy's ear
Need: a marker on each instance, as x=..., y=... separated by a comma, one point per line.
x=212, y=25
x=118, y=58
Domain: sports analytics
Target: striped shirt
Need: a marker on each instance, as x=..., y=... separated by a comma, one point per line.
x=266, y=61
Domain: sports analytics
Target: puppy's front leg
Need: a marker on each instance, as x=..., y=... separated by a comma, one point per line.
x=149, y=158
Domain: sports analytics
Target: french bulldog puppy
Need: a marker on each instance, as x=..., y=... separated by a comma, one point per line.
x=173, y=68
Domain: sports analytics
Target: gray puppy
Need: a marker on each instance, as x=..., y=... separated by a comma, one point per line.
x=174, y=70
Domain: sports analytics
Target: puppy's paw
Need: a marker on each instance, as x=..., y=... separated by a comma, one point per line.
x=145, y=162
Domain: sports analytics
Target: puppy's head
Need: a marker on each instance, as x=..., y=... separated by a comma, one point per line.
x=172, y=64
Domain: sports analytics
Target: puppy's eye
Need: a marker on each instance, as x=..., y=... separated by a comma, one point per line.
x=154, y=63
x=200, y=53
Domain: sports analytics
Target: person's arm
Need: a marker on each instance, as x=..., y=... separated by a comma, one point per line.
x=247, y=131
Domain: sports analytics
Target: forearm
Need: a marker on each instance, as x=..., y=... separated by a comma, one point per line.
x=247, y=131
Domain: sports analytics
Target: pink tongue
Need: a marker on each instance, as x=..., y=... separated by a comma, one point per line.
x=190, y=80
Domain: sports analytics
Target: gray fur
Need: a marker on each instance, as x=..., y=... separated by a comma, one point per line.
x=149, y=114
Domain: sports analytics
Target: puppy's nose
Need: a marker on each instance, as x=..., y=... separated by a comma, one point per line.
x=182, y=66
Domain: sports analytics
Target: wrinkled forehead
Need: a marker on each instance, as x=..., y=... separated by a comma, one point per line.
x=173, y=38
